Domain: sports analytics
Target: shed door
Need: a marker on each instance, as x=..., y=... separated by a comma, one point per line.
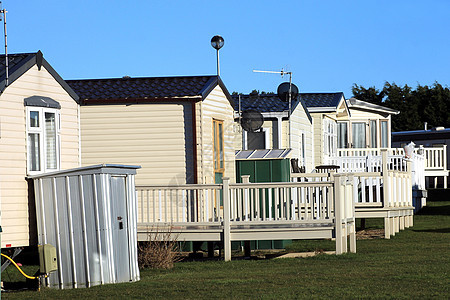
x=119, y=215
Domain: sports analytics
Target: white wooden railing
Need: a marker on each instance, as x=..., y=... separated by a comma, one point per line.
x=370, y=160
x=262, y=207
x=436, y=158
x=377, y=188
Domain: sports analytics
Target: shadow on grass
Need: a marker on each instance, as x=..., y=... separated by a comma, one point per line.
x=440, y=230
x=435, y=210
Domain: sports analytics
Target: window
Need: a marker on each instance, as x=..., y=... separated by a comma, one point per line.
x=384, y=134
x=342, y=135
x=256, y=140
x=43, y=139
x=219, y=164
x=359, y=135
x=373, y=133
x=302, y=157
x=330, y=137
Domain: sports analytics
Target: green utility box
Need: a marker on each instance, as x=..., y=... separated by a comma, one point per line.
x=264, y=170
x=47, y=258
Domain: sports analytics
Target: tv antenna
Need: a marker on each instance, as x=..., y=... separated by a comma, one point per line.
x=3, y=16
x=282, y=92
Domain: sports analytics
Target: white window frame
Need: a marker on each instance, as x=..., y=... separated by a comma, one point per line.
x=388, y=133
x=42, y=138
x=329, y=137
x=347, y=142
x=302, y=149
x=266, y=138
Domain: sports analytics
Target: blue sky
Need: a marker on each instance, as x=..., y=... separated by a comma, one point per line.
x=327, y=45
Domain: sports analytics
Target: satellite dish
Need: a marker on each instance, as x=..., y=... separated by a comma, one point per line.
x=251, y=120
x=283, y=91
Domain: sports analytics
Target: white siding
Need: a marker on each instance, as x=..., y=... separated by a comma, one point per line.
x=13, y=159
x=215, y=106
x=152, y=136
x=300, y=124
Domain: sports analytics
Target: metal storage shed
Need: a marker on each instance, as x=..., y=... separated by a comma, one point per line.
x=89, y=214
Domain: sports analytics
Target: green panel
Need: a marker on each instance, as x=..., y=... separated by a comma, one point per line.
x=267, y=170
x=218, y=178
x=245, y=167
x=263, y=171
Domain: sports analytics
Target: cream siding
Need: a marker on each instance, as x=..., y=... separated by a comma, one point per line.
x=364, y=116
x=152, y=136
x=13, y=157
x=215, y=106
x=301, y=124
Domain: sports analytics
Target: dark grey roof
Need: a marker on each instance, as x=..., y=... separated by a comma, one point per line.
x=322, y=99
x=40, y=101
x=19, y=63
x=414, y=135
x=127, y=89
x=271, y=102
x=263, y=103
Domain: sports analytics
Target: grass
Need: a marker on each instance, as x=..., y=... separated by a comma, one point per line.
x=413, y=264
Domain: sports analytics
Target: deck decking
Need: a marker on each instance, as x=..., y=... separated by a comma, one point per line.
x=250, y=211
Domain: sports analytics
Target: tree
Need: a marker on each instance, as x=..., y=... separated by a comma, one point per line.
x=424, y=104
x=371, y=94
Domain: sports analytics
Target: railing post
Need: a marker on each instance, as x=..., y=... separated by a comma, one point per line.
x=226, y=218
x=385, y=174
x=247, y=246
x=444, y=160
x=338, y=213
x=409, y=186
x=351, y=212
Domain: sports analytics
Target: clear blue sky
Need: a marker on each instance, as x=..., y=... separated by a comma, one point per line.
x=328, y=45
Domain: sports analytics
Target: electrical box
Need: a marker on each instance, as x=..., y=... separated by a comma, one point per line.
x=47, y=258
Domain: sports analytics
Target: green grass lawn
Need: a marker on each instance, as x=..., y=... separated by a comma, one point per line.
x=413, y=264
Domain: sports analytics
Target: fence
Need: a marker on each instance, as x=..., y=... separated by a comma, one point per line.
x=371, y=160
x=382, y=188
x=251, y=211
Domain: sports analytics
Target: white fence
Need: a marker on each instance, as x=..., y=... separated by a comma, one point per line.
x=371, y=160
x=251, y=211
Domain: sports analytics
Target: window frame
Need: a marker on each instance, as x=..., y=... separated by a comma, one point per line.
x=329, y=137
x=266, y=139
x=220, y=166
x=386, y=121
x=347, y=133
x=41, y=131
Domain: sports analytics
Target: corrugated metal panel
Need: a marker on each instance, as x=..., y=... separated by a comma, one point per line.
x=89, y=215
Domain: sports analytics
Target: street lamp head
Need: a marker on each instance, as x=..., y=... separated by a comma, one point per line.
x=217, y=42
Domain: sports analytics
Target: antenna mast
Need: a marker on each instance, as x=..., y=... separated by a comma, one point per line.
x=3, y=12
x=282, y=73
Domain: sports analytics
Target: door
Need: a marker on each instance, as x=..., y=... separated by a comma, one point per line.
x=119, y=220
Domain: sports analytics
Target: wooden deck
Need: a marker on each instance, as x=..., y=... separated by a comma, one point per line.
x=250, y=211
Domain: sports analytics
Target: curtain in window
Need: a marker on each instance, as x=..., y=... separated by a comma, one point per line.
x=359, y=135
x=384, y=134
x=50, y=140
x=373, y=133
x=221, y=158
x=34, y=152
x=342, y=135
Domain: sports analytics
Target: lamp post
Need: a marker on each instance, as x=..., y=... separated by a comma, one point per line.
x=217, y=43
